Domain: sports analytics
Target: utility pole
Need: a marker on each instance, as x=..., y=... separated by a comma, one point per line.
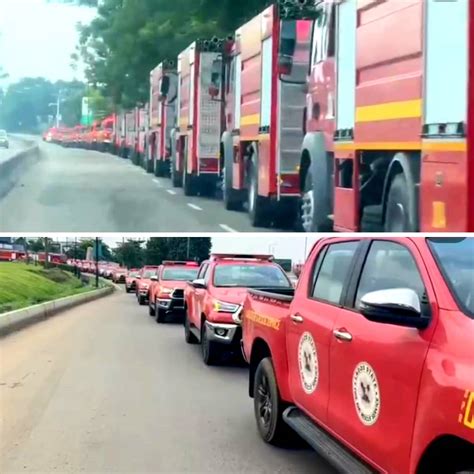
x=97, y=262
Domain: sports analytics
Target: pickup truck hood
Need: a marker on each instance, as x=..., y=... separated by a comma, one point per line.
x=171, y=284
x=230, y=295
x=143, y=281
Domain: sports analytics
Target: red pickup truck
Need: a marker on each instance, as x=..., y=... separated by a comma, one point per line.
x=143, y=282
x=131, y=280
x=372, y=360
x=214, y=300
x=166, y=293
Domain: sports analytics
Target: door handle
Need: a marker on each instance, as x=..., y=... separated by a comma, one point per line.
x=342, y=335
x=297, y=318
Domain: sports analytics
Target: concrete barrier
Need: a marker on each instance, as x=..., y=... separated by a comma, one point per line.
x=12, y=168
x=15, y=320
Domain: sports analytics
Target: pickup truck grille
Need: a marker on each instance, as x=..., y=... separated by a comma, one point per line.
x=178, y=294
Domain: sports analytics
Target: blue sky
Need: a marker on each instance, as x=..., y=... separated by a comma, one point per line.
x=37, y=39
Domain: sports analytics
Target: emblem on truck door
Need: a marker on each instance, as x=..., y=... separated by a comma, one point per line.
x=365, y=389
x=308, y=363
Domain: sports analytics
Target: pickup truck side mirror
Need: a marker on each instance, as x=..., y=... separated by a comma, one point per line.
x=199, y=283
x=398, y=306
x=154, y=278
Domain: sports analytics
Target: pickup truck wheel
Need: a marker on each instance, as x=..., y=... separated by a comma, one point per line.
x=141, y=300
x=160, y=316
x=151, y=309
x=269, y=407
x=189, y=337
x=209, y=349
x=127, y=290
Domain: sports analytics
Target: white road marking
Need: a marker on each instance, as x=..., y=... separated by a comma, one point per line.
x=170, y=191
x=157, y=182
x=227, y=228
x=193, y=206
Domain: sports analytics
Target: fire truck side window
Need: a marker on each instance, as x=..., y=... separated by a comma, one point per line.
x=324, y=35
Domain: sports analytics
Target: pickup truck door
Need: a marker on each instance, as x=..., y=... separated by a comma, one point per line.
x=312, y=318
x=376, y=368
x=198, y=295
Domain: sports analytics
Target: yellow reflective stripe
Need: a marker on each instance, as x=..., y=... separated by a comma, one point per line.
x=445, y=146
x=395, y=146
x=250, y=120
x=390, y=111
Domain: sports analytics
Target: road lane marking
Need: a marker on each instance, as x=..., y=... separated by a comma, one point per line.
x=158, y=183
x=193, y=206
x=170, y=191
x=227, y=228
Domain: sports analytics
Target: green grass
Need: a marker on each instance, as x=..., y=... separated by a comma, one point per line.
x=24, y=285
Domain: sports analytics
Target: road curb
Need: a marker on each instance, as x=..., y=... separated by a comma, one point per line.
x=13, y=167
x=16, y=320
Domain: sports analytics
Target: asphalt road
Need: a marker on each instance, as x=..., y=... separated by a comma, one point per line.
x=72, y=190
x=15, y=146
x=103, y=388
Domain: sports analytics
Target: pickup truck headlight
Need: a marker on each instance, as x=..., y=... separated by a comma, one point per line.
x=223, y=307
x=165, y=292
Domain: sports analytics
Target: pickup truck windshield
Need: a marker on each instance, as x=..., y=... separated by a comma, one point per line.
x=133, y=274
x=149, y=273
x=180, y=274
x=250, y=276
x=456, y=260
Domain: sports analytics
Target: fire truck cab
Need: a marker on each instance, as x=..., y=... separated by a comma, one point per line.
x=163, y=101
x=196, y=164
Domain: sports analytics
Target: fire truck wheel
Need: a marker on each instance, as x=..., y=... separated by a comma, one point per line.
x=189, y=184
x=232, y=201
x=151, y=309
x=398, y=216
x=258, y=208
x=269, y=407
x=210, y=351
x=189, y=337
x=315, y=205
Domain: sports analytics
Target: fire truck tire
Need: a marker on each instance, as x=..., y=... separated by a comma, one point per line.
x=258, y=207
x=189, y=337
x=210, y=351
x=316, y=202
x=269, y=407
x=189, y=184
x=398, y=216
x=176, y=177
x=232, y=200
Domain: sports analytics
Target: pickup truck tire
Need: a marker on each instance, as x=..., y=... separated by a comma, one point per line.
x=160, y=316
x=210, y=351
x=151, y=309
x=141, y=300
x=189, y=337
x=269, y=407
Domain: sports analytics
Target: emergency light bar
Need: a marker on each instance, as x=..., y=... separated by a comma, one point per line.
x=239, y=256
x=186, y=264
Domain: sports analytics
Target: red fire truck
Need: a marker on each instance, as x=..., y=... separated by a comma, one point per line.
x=196, y=163
x=163, y=99
x=264, y=72
x=383, y=144
x=385, y=147
x=119, y=134
x=105, y=135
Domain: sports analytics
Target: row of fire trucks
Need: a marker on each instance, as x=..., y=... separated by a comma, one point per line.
x=349, y=115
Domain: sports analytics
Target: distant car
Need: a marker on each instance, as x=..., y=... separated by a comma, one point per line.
x=4, y=139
